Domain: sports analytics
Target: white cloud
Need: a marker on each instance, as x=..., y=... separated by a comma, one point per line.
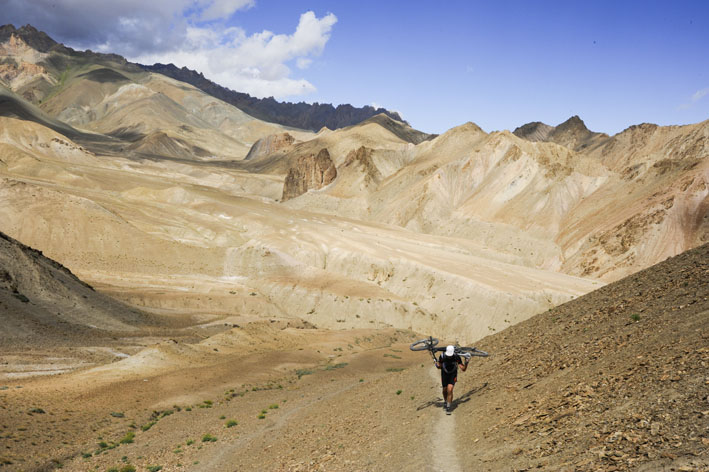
x=256, y=64
x=699, y=94
x=218, y=9
x=303, y=62
x=189, y=33
x=696, y=96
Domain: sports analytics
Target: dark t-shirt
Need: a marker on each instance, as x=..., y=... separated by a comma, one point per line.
x=449, y=365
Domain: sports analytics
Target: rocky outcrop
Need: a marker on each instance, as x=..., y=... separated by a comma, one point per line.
x=361, y=159
x=270, y=145
x=310, y=172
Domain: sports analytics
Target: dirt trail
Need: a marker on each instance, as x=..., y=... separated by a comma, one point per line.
x=443, y=454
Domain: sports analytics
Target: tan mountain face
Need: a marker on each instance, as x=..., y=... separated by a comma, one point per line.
x=463, y=233
x=257, y=265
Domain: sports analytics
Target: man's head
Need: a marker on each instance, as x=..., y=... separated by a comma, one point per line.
x=450, y=350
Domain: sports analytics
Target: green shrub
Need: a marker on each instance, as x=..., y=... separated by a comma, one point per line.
x=38, y=411
x=117, y=414
x=147, y=426
x=231, y=423
x=208, y=438
x=128, y=438
x=190, y=442
x=154, y=468
x=398, y=392
x=635, y=317
x=395, y=369
x=261, y=416
x=302, y=372
x=127, y=468
x=273, y=407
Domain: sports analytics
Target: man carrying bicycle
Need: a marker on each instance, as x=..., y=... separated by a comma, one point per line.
x=448, y=363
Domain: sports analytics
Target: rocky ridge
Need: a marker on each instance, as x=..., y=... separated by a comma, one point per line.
x=299, y=115
x=572, y=134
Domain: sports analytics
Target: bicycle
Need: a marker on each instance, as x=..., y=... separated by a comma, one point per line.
x=429, y=344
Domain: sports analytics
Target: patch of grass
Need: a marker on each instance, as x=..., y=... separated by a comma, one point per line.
x=117, y=414
x=336, y=366
x=147, y=426
x=190, y=442
x=395, y=369
x=189, y=408
x=128, y=438
x=393, y=356
x=361, y=380
x=39, y=411
x=127, y=468
x=635, y=317
x=103, y=445
x=86, y=455
x=231, y=423
x=398, y=392
x=273, y=407
x=112, y=469
x=222, y=417
x=154, y=468
x=302, y=372
x=261, y=416
x=208, y=438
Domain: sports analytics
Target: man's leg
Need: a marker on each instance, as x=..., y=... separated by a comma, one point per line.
x=449, y=394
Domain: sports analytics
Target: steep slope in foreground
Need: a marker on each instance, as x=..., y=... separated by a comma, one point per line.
x=614, y=380
x=41, y=300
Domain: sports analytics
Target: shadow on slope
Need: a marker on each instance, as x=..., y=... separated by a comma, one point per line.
x=43, y=303
x=616, y=378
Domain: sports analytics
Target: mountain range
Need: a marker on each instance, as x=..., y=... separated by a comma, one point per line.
x=169, y=258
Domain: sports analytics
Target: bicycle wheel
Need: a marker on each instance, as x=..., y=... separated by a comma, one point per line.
x=423, y=344
x=472, y=351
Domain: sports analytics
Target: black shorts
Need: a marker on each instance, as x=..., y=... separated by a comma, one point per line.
x=449, y=379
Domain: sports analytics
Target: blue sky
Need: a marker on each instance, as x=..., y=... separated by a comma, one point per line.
x=499, y=64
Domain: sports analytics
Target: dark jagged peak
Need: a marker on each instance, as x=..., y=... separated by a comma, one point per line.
x=572, y=134
x=301, y=115
x=34, y=38
x=399, y=128
x=63, y=56
x=574, y=124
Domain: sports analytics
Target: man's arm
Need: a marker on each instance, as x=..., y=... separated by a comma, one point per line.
x=463, y=365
